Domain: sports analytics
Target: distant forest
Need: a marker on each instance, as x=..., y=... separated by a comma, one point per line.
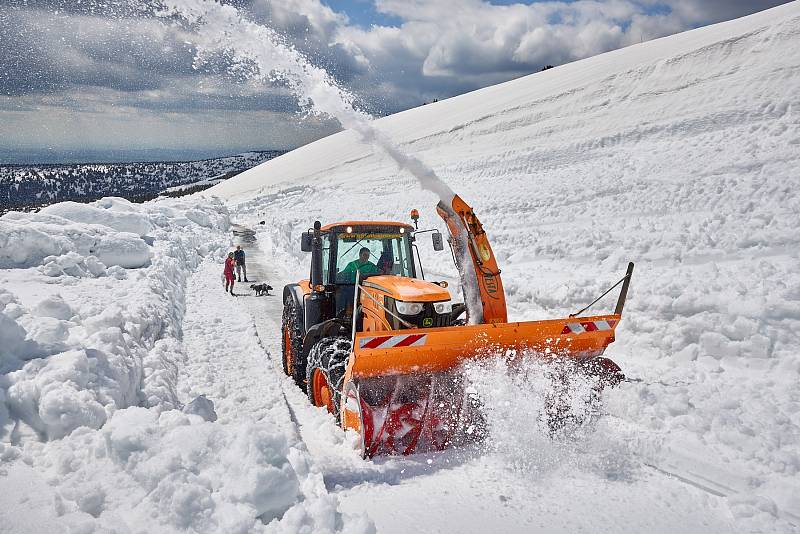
x=30, y=187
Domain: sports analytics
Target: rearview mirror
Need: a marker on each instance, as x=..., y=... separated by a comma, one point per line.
x=306, y=240
x=438, y=242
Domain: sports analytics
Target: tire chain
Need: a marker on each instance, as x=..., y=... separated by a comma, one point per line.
x=330, y=355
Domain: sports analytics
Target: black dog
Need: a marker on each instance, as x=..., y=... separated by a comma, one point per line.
x=261, y=289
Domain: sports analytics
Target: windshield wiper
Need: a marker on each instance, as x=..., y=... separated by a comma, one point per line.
x=357, y=242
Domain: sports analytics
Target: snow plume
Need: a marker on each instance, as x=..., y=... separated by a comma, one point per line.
x=543, y=415
x=222, y=28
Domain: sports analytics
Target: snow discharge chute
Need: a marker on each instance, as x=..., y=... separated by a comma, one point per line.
x=383, y=350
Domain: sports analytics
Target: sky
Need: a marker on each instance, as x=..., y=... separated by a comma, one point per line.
x=104, y=80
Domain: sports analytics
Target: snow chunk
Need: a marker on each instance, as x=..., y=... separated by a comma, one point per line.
x=123, y=249
x=53, y=396
x=260, y=474
x=25, y=246
x=72, y=264
x=199, y=217
x=130, y=431
x=14, y=343
x=203, y=407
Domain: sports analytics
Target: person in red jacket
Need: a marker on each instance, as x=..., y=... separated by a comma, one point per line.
x=228, y=272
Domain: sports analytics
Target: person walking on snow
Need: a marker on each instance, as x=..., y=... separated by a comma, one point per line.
x=228, y=272
x=241, y=268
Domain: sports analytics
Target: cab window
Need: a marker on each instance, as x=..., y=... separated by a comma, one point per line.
x=389, y=253
x=326, y=258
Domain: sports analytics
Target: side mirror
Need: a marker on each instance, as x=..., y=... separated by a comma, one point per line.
x=438, y=242
x=306, y=240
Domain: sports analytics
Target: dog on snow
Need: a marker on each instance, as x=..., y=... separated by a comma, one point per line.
x=261, y=289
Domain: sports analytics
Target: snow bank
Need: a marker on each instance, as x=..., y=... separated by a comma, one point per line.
x=75, y=356
x=23, y=246
x=115, y=213
x=166, y=465
x=61, y=245
x=91, y=359
x=173, y=472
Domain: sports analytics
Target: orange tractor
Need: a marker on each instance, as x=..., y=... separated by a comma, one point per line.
x=381, y=348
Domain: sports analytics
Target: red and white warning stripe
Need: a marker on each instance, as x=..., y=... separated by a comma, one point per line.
x=588, y=326
x=387, y=342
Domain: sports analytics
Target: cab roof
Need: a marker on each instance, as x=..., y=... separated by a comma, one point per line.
x=361, y=224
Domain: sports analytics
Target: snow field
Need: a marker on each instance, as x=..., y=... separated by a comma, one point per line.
x=679, y=154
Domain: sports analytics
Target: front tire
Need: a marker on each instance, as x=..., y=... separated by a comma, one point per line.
x=326, y=367
x=292, y=342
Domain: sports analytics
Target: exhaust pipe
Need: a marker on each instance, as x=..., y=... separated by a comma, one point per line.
x=316, y=300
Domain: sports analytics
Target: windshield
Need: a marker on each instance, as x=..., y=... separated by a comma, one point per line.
x=378, y=252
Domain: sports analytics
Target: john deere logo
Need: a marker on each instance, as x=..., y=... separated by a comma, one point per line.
x=485, y=254
x=491, y=283
x=427, y=321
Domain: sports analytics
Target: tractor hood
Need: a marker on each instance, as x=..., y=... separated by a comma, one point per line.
x=407, y=289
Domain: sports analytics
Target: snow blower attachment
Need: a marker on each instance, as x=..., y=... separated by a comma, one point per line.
x=382, y=349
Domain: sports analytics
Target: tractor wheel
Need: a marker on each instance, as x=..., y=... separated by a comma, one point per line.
x=292, y=342
x=327, y=362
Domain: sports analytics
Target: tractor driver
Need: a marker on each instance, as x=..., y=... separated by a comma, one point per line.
x=362, y=265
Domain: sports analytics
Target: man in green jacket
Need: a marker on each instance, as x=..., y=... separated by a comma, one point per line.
x=362, y=265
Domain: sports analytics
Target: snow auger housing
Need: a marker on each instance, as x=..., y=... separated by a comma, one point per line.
x=381, y=348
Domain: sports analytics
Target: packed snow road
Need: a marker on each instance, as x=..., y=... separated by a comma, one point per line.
x=537, y=486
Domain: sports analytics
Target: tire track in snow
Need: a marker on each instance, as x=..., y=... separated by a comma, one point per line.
x=315, y=427
x=699, y=474
x=715, y=488
x=226, y=361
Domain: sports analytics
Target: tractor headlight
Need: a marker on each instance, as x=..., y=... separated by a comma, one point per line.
x=408, y=308
x=443, y=307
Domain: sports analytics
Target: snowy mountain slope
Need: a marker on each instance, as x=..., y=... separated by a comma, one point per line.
x=551, y=106
x=679, y=154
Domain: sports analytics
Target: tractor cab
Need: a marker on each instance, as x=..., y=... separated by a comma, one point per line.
x=380, y=256
x=376, y=248
x=363, y=278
